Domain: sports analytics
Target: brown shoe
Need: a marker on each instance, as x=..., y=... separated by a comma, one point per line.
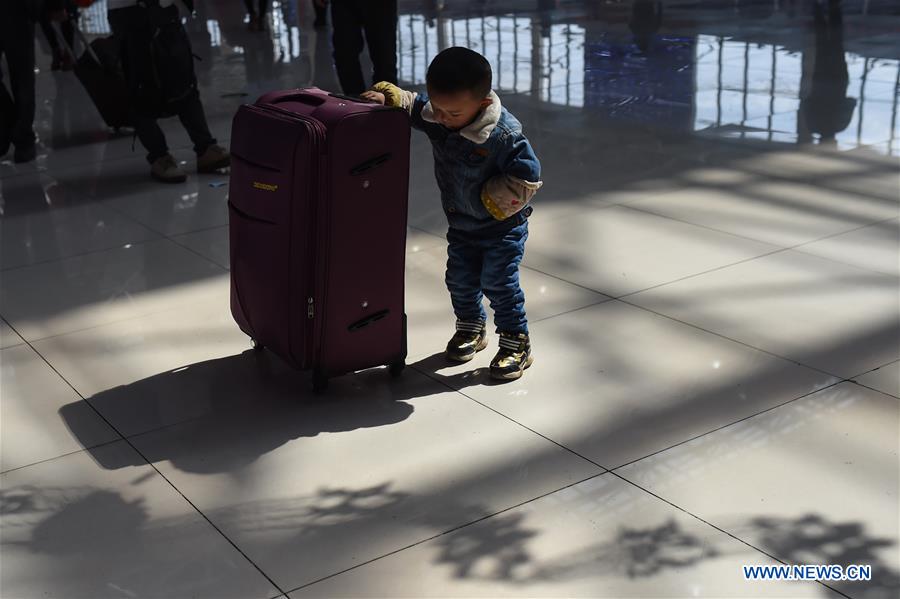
x=165, y=169
x=214, y=158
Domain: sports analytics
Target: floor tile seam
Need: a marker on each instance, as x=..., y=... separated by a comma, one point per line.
x=623, y=300
x=61, y=456
x=200, y=230
x=590, y=207
x=427, y=232
x=612, y=295
x=434, y=378
x=800, y=248
x=871, y=370
x=779, y=249
x=729, y=424
x=848, y=264
x=171, y=238
x=651, y=212
x=225, y=269
x=711, y=525
x=9, y=269
x=853, y=230
x=571, y=310
x=111, y=322
x=737, y=341
x=561, y=279
x=870, y=388
x=449, y=531
x=78, y=165
x=123, y=438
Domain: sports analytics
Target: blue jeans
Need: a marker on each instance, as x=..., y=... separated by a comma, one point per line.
x=488, y=265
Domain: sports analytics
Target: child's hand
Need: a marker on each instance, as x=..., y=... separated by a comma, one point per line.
x=373, y=96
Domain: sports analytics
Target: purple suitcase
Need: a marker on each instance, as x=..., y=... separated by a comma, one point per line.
x=317, y=223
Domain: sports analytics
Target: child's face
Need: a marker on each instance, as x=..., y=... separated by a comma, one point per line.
x=456, y=110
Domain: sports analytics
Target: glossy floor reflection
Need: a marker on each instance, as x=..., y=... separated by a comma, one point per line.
x=712, y=281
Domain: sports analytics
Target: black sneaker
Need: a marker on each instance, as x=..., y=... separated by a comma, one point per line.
x=469, y=339
x=513, y=357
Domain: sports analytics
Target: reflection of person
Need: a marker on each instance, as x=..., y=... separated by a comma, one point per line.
x=321, y=14
x=350, y=20
x=17, y=104
x=258, y=50
x=487, y=173
x=825, y=108
x=257, y=14
x=645, y=21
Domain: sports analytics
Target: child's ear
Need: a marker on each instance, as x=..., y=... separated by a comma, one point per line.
x=486, y=102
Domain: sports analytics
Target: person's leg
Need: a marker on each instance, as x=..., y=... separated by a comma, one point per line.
x=321, y=14
x=210, y=156
x=381, y=37
x=49, y=33
x=7, y=111
x=348, y=43
x=500, y=280
x=133, y=33
x=463, y=276
x=19, y=49
x=193, y=118
x=68, y=30
x=464, y=258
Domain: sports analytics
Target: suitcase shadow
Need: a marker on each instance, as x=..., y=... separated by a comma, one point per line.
x=221, y=415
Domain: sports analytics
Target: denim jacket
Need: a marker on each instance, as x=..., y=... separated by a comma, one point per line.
x=487, y=172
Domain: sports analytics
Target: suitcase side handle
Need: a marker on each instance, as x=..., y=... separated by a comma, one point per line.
x=359, y=324
x=370, y=164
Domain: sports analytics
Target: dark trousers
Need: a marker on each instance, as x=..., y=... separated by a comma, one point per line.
x=488, y=265
x=377, y=19
x=68, y=30
x=260, y=10
x=17, y=103
x=132, y=27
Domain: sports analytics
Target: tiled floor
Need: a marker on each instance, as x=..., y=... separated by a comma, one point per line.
x=714, y=302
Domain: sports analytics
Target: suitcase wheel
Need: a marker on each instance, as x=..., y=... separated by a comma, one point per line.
x=256, y=345
x=396, y=368
x=319, y=382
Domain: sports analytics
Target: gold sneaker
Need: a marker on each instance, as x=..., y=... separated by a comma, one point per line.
x=513, y=357
x=469, y=339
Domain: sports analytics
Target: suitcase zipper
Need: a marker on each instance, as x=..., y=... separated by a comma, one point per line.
x=317, y=136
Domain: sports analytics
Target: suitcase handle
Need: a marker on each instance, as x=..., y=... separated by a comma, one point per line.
x=300, y=96
x=370, y=164
x=352, y=99
x=367, y=321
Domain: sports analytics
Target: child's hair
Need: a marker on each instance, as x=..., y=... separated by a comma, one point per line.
x=459, y=69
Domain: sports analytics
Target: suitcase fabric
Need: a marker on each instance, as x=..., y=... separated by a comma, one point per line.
x=317, y=226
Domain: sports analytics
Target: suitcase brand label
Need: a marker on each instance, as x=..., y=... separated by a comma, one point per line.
x=265, y=186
